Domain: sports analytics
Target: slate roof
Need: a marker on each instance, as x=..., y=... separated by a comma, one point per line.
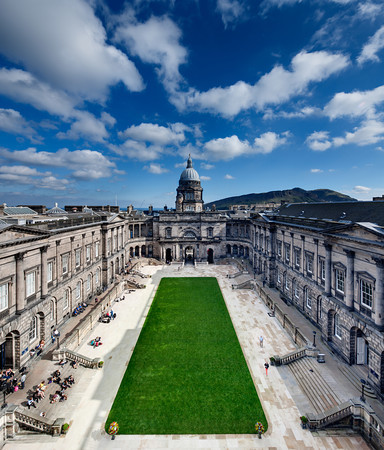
x=19, y=211
x=342, y=212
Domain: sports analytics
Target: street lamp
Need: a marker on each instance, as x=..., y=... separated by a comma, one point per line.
x=363, y=383
x=314, y=338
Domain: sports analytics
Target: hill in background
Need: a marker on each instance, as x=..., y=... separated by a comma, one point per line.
x=295, y=195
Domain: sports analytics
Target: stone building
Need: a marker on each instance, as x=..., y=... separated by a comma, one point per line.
x=325, y=259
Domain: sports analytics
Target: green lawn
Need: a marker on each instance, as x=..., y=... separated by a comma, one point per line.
x=187, y=374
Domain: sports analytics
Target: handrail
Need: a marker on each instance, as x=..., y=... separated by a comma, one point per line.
x=32, y=422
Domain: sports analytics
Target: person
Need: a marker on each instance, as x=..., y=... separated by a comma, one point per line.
x=31, y=403
x=266, y=365
x=43, y=414
x=55, y=398
x=62, y=362
x=261, y=340
x=74, y=364
x=111, y=314
x=22, y=381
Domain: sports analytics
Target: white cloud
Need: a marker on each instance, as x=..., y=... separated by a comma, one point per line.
x=204, y=178
x=275, y=87
x=85, y=163
x=88, y=126
x=206, y=166
x=319, y=141
x=23, y=87
x=28, y=176
x=138, y=150
x=316, y=171
x=230, y=10
x=369, y=132
x=229, y=177
x=355, y=104
x=374, y=45
x=156, y=169
x=156, y=134
x=64, y=44
x=369, y=10
x=12, y=121
x=231, y=147
x=156, y=42
x=362, y=189
x=301, y=113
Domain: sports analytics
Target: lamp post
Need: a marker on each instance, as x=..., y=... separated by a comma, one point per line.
x=4, y=405
x=363, y=383
x=314, y=338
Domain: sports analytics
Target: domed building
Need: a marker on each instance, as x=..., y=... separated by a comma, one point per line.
x=189, y=193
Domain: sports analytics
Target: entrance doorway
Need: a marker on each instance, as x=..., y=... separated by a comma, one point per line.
x=210, y=256
x=12, y=350
x=189, y=255
x=168, y=255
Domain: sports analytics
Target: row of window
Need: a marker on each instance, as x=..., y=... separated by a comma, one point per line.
x=30, y=288
x=191, y=234
x=366, y=289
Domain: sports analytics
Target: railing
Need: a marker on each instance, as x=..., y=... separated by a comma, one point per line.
x=237, y=274
x=64, y=353
x=40, y=425
x=248, y=284
x=363, y=419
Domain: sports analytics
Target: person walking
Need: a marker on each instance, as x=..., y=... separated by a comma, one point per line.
x=266, y=365
x=22, y=380
x=261, y=340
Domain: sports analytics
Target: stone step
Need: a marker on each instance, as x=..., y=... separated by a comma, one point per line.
x=317, y=390
x=354, y=378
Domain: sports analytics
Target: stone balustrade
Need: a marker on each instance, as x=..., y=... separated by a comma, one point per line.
x=64, y=353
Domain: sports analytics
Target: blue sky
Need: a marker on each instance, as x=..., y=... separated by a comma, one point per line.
x=102, y=101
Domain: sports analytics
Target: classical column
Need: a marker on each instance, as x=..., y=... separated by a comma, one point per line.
x=350, y=278
x=43, y=271
x=328, y=269
x=379, y=293
x=20, y=283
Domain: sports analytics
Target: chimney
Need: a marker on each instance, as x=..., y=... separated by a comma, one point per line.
x=2, y=209
x=129, y=209
x=150, y=209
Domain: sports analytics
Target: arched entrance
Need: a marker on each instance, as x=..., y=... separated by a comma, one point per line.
x=12, y=350
x=189, y=255
x=210, y=256
x=168, y=255
x=137, y=251
x=359, y=347
x=228, y=249
x=143, y=250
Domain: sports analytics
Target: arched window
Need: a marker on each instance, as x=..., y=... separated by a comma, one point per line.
x=89, y=283
x=337, y=327
x=308, y=298
x=97, y=276
x=78, y=290
x=33, y=329
x=66, y=299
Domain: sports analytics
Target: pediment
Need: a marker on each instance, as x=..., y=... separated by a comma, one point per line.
x=14, y=233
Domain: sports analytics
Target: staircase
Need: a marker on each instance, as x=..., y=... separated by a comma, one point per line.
x=317, y=390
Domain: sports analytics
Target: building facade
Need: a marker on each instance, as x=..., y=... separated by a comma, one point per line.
x=327, y=260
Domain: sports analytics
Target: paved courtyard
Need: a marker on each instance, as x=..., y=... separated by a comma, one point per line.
x=91, y=397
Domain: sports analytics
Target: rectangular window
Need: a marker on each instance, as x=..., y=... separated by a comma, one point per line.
x=340, y=280
x=78, y=257
x=114, y=243
x=97, y=277
x=210, y=232
x=4, y=292
x=309, y=263
x=64, y=263
x=50, y=272
x=297, y=295
x=88, y=253
x=286, y=283
x=278, y=277
x=297, y=258
x=279, y=247
x=287, y=253
x=30, y=281
x=109, y=246
x=168, y=232
x=322, y=269
x=366, y=293
x=97, y=249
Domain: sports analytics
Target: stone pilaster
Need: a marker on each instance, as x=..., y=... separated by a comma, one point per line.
x=43, y=271
x=328, y=269
x=20, y=283
x=350, y=285
x=379, y=293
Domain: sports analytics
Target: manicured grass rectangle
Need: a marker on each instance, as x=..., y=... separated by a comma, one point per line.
x=187, y=374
